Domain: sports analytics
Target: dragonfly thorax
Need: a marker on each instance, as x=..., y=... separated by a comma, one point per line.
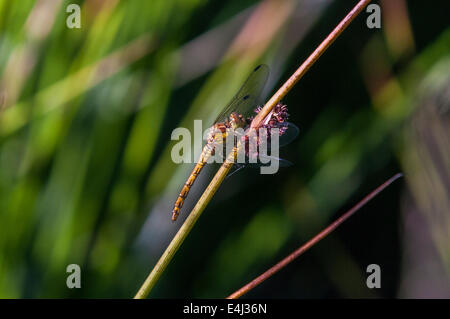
x=236, y=121
x=219, y=131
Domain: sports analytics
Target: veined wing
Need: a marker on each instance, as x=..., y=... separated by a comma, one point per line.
x=288, y=132
x=264, y=160
x=246, y=98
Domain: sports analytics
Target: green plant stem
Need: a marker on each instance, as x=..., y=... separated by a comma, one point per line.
x=226, y=166
x=186, y=227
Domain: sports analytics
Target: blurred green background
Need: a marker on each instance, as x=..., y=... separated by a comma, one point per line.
x=85, y=170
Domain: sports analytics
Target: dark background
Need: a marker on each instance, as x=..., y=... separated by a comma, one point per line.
x=86, y=175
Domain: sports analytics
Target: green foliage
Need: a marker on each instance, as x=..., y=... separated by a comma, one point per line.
x=85, y=169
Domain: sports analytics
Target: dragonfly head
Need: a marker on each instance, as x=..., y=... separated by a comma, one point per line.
x=237, y=120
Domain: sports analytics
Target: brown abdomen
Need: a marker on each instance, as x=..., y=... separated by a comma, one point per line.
x=190, y=181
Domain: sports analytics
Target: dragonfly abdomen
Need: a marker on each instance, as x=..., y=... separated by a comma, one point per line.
x=190, y=181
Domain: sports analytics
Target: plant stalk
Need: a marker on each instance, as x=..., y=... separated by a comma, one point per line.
x=325, y=232
x=226, y=166
x=186, y=227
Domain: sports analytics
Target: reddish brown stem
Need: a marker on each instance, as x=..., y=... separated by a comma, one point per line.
x=283, y=263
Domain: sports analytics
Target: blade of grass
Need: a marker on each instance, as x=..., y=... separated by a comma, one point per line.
x=226, y=166
x=325, y=232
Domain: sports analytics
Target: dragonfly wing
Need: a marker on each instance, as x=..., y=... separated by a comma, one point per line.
x=236, y=168
x=246, y=98
x=265, y=160
x=288, y=132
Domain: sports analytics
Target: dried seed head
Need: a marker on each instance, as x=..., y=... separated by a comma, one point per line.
x=276, y=117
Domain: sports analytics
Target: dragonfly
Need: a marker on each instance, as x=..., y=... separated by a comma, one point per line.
x=237, y=114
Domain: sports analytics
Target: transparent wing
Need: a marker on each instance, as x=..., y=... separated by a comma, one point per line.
x=289, y=134
x=246, y=98
x=267, y=161
x=235, y=169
